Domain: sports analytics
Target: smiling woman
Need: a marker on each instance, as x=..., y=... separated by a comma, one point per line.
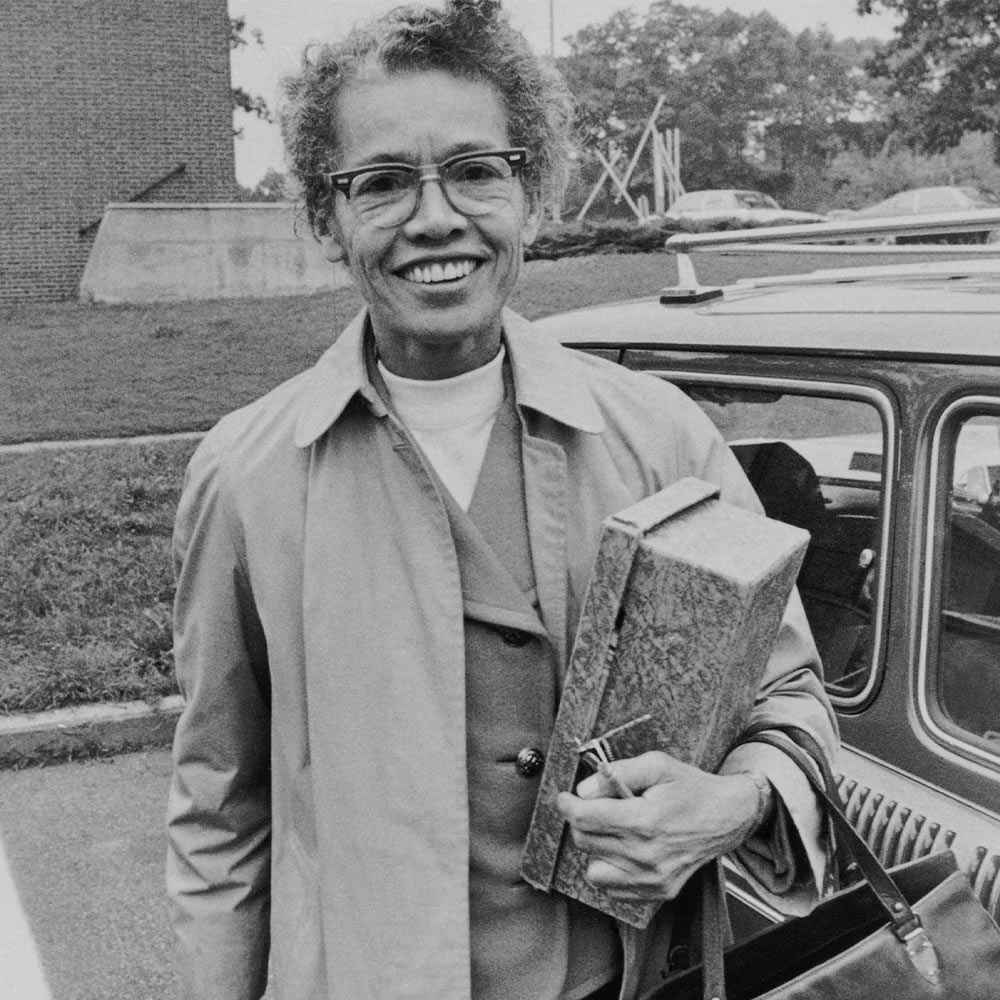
x=435, y=275
x=379, y=569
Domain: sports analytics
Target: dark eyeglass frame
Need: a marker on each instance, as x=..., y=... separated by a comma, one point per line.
x=340, y=180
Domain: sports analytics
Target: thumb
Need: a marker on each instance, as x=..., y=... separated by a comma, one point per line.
x=636, y=773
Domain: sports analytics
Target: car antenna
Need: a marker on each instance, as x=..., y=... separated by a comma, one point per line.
x=687, y=288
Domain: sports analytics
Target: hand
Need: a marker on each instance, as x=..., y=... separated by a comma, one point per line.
x=647, y=847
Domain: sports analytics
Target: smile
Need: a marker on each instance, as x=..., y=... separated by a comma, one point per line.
x=439, y=271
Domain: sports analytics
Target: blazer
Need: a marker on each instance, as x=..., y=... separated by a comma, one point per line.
x=318, y=812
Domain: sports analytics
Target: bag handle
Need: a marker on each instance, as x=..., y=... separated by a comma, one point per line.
x=841, y=869
x=903, y=922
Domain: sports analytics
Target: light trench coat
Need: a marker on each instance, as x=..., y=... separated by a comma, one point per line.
x=318, y=814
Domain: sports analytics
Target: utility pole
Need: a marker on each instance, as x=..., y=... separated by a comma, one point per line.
x=552, y=28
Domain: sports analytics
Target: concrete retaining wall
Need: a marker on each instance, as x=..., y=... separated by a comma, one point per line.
x=156, y=252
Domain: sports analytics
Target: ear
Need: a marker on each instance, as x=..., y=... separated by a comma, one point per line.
x=532, y=218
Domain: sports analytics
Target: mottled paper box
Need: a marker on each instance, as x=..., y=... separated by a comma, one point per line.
x=681, y=613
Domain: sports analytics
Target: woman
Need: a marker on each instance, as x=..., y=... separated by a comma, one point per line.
x=380, y=567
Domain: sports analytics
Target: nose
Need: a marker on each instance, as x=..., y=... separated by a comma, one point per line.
x=434, y=217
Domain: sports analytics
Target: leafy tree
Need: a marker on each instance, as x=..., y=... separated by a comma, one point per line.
x=855, y=180
x=243, y=100
x=724, y=76
x=944, y=66
x=273, y=186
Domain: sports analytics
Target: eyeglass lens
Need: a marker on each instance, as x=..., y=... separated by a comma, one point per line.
x=473, y=186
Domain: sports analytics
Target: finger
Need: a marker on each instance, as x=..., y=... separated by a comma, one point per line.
x=601, y=845
x=619, y=881
x=652, y=768
x=612, y=817
x=598, y=786
x=604, y=873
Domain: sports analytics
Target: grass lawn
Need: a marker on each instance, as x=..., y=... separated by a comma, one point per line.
x=85, y=582
x=69, y=370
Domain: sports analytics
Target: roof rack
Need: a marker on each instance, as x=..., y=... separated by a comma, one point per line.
x=811, y=237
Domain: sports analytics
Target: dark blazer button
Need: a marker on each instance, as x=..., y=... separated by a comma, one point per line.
x=529, y=762
x=514, y=636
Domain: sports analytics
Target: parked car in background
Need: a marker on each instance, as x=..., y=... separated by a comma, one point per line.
x=927, y=201
x=731, y=208
x=864, y=405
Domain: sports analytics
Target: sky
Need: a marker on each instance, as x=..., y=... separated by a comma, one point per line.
x=288, y=25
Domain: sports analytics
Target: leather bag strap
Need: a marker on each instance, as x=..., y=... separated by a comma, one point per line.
x=904, y=923
x=841, y=868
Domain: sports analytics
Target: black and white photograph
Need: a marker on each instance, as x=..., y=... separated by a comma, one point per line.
x=500, y=500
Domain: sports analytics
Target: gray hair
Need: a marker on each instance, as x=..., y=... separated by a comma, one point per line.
x=472, y=39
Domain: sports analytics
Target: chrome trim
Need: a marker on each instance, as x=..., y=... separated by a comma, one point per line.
x=903, y=818
x=909, y=225
x=883, y=406
x=866, y=760
x=943, y=737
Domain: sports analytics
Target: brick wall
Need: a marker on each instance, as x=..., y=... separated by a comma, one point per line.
x=99, y=99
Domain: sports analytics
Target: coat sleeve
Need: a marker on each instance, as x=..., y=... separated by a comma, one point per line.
x=218, y=817
x=785, y=862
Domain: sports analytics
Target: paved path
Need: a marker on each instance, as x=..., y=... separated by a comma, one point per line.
x=29, y=446
x=85, y=845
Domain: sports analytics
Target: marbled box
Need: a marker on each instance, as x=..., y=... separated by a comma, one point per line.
x=681, y=613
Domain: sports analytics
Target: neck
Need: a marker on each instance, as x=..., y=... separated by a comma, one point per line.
x=436, y=360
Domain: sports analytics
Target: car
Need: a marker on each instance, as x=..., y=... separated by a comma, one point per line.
x=731, y=208
x=864, y=405
x=926, y=201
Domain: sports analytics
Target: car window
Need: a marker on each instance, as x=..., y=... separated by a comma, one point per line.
x=755, y=199
x=719, y=199
x=964, y=677
x=817, y=462
x=687, y=203
x=976, y=198
x=938, y=200
x=901, y=203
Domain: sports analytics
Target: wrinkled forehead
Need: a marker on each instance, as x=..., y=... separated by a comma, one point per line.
x=419, y=116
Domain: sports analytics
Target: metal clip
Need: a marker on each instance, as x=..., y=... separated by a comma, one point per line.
x=597, y=754
x=922, y=953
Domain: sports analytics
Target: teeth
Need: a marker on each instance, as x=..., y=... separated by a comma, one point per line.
x=430, y=274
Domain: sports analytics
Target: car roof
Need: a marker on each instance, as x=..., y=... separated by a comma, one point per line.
x=868, y=312
x=944, y=308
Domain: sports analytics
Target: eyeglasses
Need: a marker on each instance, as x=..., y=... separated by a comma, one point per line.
x=387, y=194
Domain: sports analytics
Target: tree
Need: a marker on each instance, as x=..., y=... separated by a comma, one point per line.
x=944, y=66
x=243, y=100
x=724, y=76
x=273, y=186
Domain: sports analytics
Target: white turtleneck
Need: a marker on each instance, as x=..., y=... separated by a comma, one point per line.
x=451, y=419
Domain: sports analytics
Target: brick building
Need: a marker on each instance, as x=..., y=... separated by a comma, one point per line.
x=101, y=101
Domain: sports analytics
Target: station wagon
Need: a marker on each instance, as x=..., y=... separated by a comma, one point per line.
x=864, y=405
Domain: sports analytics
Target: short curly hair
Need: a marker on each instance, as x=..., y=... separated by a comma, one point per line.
x=472, y=39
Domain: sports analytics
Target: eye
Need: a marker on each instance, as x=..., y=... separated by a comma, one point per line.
x=381, y=183
x=481, y=170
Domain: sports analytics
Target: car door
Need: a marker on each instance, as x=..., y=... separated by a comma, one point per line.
x=901, y=582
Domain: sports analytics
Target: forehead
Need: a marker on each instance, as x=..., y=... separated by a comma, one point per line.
x=416, y=117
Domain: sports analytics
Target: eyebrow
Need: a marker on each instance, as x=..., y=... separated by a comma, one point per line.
x=457, y=150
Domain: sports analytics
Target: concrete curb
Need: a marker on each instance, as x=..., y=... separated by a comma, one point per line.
x=86, y=731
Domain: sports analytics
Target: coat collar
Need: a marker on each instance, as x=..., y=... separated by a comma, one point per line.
x=547, y=379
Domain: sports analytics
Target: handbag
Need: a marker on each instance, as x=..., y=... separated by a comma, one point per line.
x=913, y=932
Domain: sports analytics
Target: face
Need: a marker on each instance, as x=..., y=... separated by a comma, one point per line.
x=436, y=283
